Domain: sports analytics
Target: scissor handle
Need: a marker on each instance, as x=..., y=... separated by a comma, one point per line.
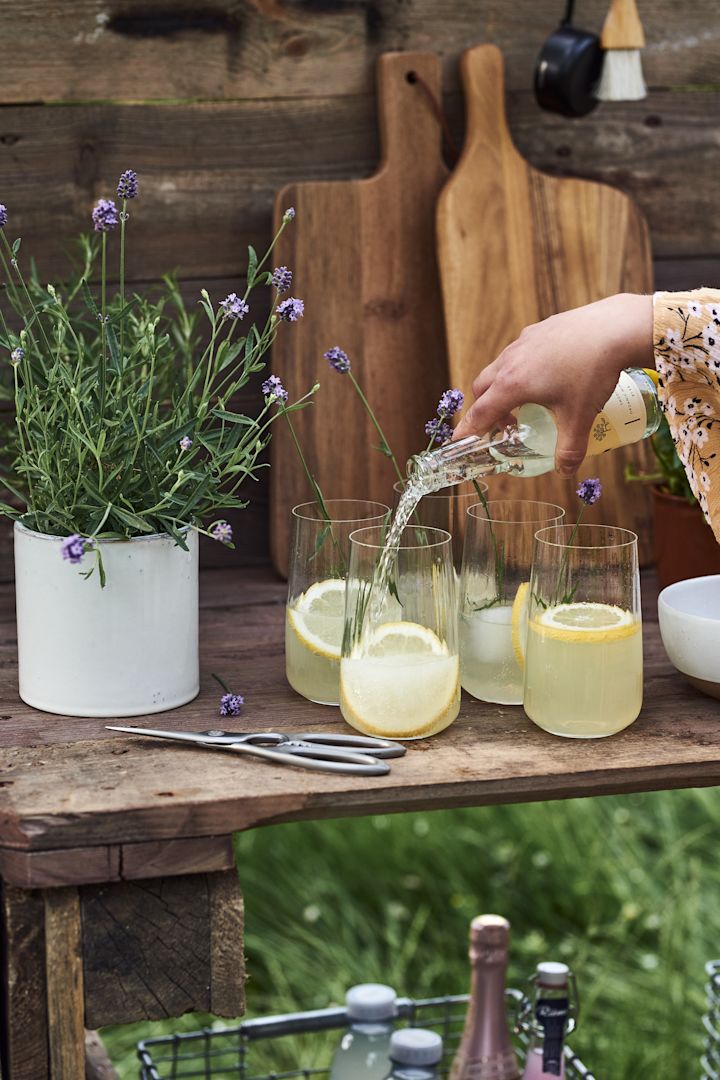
x=379, y=748
x=315, y=758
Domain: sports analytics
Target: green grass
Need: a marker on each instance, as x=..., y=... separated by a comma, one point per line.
x=625, y=890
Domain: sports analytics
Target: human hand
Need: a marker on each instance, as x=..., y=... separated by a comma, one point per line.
x=570, y=363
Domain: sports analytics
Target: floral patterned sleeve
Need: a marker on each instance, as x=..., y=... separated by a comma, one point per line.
x=686, y=336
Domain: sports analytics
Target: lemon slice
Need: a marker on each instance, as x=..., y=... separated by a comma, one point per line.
x=587, y=623
x=404, y=685
x=519, y=622
x=317, y=617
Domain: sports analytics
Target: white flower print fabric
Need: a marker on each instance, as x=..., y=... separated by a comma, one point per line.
x=686, y=336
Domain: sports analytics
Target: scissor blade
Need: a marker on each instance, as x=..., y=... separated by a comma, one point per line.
x=159, y=733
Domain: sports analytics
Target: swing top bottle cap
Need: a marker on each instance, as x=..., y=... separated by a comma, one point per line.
x=371, y=1001
x=415, y=1046
x=552, y=974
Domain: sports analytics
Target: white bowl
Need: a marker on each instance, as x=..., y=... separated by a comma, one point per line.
x=689, y=613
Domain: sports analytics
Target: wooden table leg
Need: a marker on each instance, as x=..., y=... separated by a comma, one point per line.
x=113, y=954
x=24, y=1032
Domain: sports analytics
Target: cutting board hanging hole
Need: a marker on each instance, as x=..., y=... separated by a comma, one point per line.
x=451, y=147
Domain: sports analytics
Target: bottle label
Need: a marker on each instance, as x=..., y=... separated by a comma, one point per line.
x=622, y=421
x=552, y=1014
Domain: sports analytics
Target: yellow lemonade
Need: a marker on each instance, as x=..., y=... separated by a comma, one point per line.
x=403, y=684
x=313, y=636
x=584, y=670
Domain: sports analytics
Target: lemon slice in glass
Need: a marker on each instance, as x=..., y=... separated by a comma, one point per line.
x=317, y=617
x=586, y=623
x=403, y=685
x=520, y=621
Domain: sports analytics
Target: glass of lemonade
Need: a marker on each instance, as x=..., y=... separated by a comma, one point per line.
x=400, y=671
x=497, y=556
x=316, y=592
x=446, y=510
x=584, y=661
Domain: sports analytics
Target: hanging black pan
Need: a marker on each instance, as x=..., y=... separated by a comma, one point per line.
x=568, y=69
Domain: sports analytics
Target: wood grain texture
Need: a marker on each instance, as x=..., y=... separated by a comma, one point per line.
x=115, y=862
x=516, y=246
x=126, y=49
x=23, y=1026
x=227, y=948
x=70, y=782
x=160, y=948
x=363, y=253
x=64, y=977
x=209, y=172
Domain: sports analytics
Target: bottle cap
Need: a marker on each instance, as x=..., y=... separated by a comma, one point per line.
x=550, y=973
x=490, y=930
x=371, y=1001
x=415, y=1046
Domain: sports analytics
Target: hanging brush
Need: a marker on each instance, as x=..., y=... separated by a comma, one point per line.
x=622, y=38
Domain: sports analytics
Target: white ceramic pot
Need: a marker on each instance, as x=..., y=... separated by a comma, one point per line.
x=128, y=649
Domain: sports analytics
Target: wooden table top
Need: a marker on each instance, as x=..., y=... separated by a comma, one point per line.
x=66, y=783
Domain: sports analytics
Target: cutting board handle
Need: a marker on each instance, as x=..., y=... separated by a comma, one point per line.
x=410, y=131
x=482, y=71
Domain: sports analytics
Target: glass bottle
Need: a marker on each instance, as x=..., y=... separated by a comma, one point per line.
x=363, y=1053
x=550, y=1015
x=485, y=1051
x=632, y=413
x=415, y=1054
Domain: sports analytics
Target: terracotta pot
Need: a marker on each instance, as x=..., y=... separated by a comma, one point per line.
x=685, y=546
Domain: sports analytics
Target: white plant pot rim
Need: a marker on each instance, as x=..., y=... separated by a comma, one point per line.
x=103, y=540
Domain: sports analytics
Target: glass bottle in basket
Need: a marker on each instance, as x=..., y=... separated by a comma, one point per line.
x=363, y=1053
x=549, y=1015
x=486, y=1052
x=416, y=1054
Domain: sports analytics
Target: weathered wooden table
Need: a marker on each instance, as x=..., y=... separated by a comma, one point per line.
x=120, y=898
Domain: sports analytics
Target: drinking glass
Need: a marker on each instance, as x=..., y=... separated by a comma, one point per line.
x=497, y=557
x=400, y=672
x=584, y=664
x=446, y=510
x=316, y=592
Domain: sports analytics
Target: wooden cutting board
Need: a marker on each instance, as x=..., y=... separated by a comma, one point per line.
x=516, y=246
x=364, y=261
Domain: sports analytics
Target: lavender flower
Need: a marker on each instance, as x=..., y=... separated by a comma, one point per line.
x=273, y=388
x=3, y=215
x=289, y=214
x=290, y=310
x=450, y=403
x=589, y=491
x=282, y=278
x=234, y=307
x=185, y=442
x=17, y=356
x=74, y=547
x=440, y=431
x=231, y=704
x=222, y=532
x=128, y=185
x=338, y=359
x=105, y=215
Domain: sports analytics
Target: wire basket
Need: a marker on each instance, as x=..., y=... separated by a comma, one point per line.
x=237, y=1053
x=710, y=1060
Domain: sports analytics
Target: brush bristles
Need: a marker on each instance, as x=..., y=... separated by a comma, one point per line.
x=622, y=77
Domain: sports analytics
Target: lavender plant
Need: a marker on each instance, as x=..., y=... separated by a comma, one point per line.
x=124, y=423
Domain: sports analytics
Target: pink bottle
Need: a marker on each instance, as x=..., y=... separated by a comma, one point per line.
x=486, y=1052
x=550, y=1015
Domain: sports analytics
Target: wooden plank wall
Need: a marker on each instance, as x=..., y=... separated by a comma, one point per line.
x=217, y=104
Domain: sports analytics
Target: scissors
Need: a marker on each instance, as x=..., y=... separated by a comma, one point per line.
x=358, y=755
